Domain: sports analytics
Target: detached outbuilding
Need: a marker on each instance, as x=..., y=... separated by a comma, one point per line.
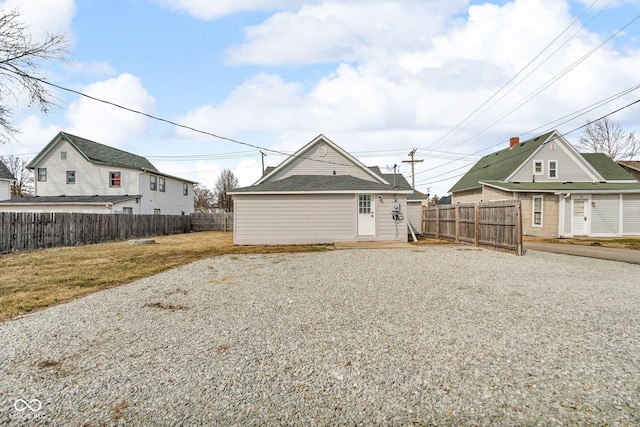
x=322, y=194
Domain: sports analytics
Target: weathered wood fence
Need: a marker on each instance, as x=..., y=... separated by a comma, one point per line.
x=37, y=230
x=222, y=221
x=497, y=225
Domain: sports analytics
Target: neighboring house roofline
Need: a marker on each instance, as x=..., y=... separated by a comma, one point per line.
x=564, y=187
x=578, y=158
x=231, y=193
x=321, y=137
x=166, y=175
x=5, y=173
x=631, y=164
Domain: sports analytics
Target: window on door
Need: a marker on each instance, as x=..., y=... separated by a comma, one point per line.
x=537, y=211
x=364, y=204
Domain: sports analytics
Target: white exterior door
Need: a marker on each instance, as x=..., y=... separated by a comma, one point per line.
x=579, y=217
x=366, y=215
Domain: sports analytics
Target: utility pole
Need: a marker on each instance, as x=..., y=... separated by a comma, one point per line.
x=413, y=162
x=263, y=156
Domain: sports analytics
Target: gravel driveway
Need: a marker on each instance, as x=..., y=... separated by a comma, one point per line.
x=431, y=335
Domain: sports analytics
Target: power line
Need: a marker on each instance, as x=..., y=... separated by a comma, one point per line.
x=520, y=72
x=179, y=125
x=427, y=181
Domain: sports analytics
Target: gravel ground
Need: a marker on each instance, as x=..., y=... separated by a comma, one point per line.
x=432, y=335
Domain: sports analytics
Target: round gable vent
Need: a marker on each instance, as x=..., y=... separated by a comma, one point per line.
x=321, y=151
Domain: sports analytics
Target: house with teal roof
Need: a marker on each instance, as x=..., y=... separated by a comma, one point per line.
x=564, y=193
x=75, y=174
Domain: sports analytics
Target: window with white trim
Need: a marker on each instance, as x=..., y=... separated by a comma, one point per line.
x=114, y=179
x=153, y=182
x=127, y=210
x=538, y=167
x=156, y=211
x=161, y=184
x=71, y=177
x=42, y=174
x=185, y=189
x=537, y=211
x=553, y=169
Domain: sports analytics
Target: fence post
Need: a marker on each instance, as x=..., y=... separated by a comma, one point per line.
x=457, y=218
x=518, y=208
x=437, y=222
x=476, y=212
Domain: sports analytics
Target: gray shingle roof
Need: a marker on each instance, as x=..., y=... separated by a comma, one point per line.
x=5, y=173
x=99, y=153
x=311, y=183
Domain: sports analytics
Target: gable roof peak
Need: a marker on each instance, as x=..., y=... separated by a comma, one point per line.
x=299, y=155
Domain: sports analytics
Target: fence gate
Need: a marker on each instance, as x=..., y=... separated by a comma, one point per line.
x=497, y=225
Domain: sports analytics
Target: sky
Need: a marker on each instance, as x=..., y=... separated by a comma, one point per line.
x=452, y=79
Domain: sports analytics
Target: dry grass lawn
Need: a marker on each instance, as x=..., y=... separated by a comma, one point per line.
x=38, y=279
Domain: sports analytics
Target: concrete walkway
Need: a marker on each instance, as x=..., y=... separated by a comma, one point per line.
x=614, y=254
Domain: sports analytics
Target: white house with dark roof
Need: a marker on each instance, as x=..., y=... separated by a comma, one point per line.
x=74, y=174
x=6, y=178
x=321, y=194
x=564, y=193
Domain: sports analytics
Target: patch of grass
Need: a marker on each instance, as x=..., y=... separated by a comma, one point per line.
x=35, y=280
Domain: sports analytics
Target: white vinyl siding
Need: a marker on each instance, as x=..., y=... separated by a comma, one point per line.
x=567, y=216
x=311, y=163
x=631, y=214
x=605, y=214
x=567, y=168
x=5, y=190
x=284, y=219
x=309, y=218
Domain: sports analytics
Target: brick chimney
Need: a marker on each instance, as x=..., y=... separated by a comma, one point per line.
x=513, y=141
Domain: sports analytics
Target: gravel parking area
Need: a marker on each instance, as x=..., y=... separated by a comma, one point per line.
x=429, y=335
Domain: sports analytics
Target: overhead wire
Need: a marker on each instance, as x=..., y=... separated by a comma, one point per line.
x=520, y=72
x=428, y=181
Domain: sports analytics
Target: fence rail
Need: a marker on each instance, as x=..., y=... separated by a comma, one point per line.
x=222, y=221
x=497, y=225
x=37, y=230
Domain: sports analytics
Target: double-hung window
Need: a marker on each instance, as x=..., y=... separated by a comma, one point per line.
x=71, y=177
x=153, y=182
x=553, y=169
x=114, y=179
x=161, y=184
x=185, y=189
x=537, y=211
x=42, y=174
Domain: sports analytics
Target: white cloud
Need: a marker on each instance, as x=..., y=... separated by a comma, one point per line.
x=218, y=8
x=343, y=31
x=106, y=123
x=44, y=16
x=409, y=72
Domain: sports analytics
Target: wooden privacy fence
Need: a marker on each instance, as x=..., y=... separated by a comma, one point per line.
x=497, y=225
x=36, y=230
x=222, y=221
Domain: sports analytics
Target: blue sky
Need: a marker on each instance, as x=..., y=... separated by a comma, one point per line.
x=378, y=78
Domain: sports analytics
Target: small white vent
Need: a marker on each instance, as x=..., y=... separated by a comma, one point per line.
x=63, y=155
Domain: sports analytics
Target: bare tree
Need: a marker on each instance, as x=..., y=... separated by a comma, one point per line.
x=20, y=58
x=23, y=185
x=203, y=197
x=605, y=136
x=226, y=183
